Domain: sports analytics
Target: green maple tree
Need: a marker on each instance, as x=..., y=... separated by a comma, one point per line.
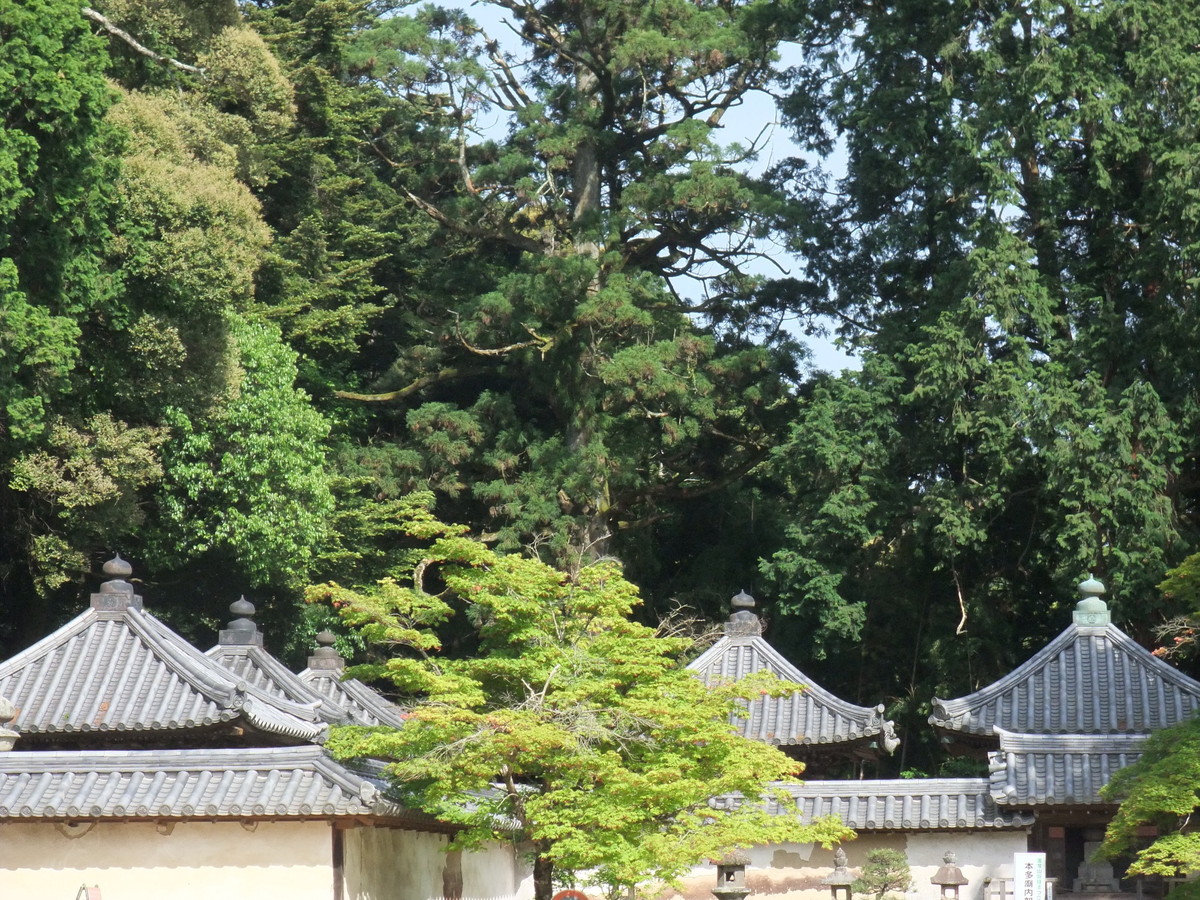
x=566, y=725
x=1159, y=791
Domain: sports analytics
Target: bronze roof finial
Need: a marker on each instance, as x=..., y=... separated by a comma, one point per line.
x=116, y=594
x=325, y=656
x=744, y=621
x=241, y=630
x=1091, y=610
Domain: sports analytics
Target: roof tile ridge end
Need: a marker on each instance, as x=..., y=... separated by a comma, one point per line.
x=347, y=778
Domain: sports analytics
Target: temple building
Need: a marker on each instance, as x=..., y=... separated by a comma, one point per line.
x=812, y=725
x=1056, y=728
x=133, y=765
x=1052, y=732
x=144, y=768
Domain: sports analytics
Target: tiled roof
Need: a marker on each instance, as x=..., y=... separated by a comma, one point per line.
x=287, y=782
x=241, y=652
x=930, y=804
x=364, y=705
x=1069, y=769
x=1088, y=680
x=116, y=668
x=257, y=667
x=812, y=716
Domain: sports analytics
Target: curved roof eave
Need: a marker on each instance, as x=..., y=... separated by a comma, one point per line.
x=859, y=721
x=260, y=670
x=970, y=714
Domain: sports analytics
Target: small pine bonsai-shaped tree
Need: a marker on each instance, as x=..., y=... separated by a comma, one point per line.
x=884, y=871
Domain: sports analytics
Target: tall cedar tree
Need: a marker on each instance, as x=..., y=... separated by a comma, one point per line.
x=554, y=388
x=55, y=216
x=1014, y=251
x=568, y=726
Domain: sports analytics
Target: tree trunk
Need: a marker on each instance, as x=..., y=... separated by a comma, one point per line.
x=585, y=168
x=543, y=872
x=595, y=540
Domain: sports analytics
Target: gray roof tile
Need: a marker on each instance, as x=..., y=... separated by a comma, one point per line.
x=277, y=782
x=808, y=717
x=929, y=804
x=122, y=670
x=257, y=667
x=363, y=704
x=1088, y=680
x=326, y=674
x=1066, y=769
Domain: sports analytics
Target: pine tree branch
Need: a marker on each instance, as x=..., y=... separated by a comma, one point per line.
x=449, y=373
x=125, y=36
x=506, y=234
x=678, y=492
x=543, y=343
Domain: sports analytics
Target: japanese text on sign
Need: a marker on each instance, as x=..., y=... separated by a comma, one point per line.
x=1030, y=872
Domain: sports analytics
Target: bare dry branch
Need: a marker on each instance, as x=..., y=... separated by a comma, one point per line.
x=508, y=81
x=125, y=36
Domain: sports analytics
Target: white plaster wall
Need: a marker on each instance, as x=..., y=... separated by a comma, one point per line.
x=392, y=864
x=980, y=855
x=795, y=871
x=133, y=861
x=497, y=871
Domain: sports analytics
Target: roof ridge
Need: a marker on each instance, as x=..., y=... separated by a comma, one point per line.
x=784, y=720
x=379, y=707
x=1086, y=664
x=56, y=638
x=1054, y=743
x=896, y=785
x=221, y=685
x=233, y=758
x=282, y=678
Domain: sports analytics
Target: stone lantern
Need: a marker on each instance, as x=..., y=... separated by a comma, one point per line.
x=840, y=879
x=949, y=877
x=731, y=877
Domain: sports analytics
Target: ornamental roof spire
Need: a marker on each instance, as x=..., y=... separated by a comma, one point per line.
x=743, y=622
x=241, y=630
x=1091, y=610
x=325, y=657
x=116, y=594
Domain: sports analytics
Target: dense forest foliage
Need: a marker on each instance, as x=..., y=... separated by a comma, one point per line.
x=273, y=272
